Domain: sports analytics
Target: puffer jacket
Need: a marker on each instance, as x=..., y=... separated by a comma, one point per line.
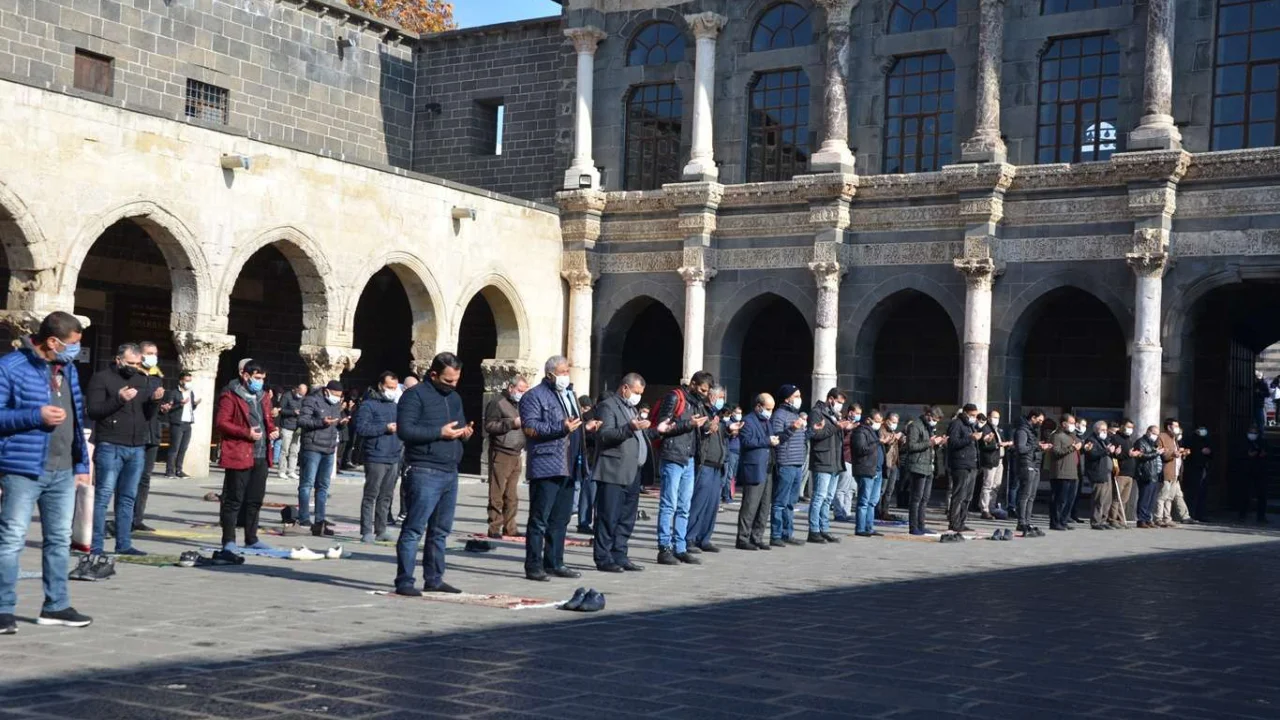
x=826, y=444
x=290, y=408
x=24, y=389
x=680, y=443
x=319, y=437
x=380, y=444
x=917, y=453
x=791, y=448
x=1026, y=445
x=962, y=449
x=866, y=447
x=553, y=451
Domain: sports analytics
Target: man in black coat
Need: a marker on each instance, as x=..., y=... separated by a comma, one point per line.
x=962, y=461
x=622, y=448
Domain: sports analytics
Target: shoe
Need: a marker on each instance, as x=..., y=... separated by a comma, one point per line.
x=694, y=550
x=66, y=618
x=495, y=536
x=385, y=536
x=188, y=559
x=334, y=553
x=687, y=559
x=443, y=587
x=643, y=515
x=632, y=567
x=564, y=572
x=708, y=548
x=1117, y=526
x=863, y=534
x=302, y=553
x=586, y=530
x=777, y=542
x=83, y=570
x=816, y=538
x=367, y=539
x=143, y=527
x=830, y=538
x=537, y=576
x=131, y=552
x=169, y=476
x=101, y=567
x=575, y=602
x=793, y=541
x=111, y=528
x=918, y=532
x=592, y=602
x=1038, y=532
x=1008, y=534
x=183, y=476
x=666, y=557
x=745, y=546
x=610, y=568
x=8, y=626
x=323, y=529
x=997, y=535
x=762, y=546
x=949, y=537
x=987, y=516
x=1098, y=527
x=478, y=546
x=409, y=591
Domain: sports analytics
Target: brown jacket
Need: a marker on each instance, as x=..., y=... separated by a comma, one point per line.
x=891, y=447
x=1169, y=450
x=500, y=423
x=1066, y=459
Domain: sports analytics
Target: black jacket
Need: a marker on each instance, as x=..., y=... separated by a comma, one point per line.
x=989, y=452
x=1150, y=465
x=116, y=421
x=681, y=442
x=1026, y=445
x=290, y=405
x=1197, y=460
x=865, y=446
x=318, y=437
x=422, y=412
x=1128, y=465
x=380, y=444
x=962, y=449
x=826, y=446
x=712, y=447
x=1097, y=459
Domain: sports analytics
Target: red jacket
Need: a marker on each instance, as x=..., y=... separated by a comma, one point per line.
x=232, y=422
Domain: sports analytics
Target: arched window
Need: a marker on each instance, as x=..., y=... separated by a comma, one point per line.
x=919, y=105
x=913, y=15
x=778, y=126
x=782, y=26
x=1054, y=7
x=657, y=43
x=654, y=114
x=1079, y=94
x=1247, y=64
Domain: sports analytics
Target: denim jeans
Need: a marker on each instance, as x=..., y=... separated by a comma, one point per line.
x=704, y=506
x=315, y=469
x=730, y=472
x=673, y=504
x=433, y=497
x=824, y=490
x=868, y=497
x=786, y=481
x=117, y=471
x=55, y=494
x=846, y=489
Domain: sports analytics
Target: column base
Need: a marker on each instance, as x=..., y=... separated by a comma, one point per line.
x=1155, y=132
x=834, y=159
x=700, y=170
x=581, y=178
x=983, y=150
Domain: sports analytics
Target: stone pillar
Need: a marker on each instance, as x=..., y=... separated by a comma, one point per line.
x=583, y=173
x=325, y=363
x=986, y=144
x=980, y=275
x=1145, y=368
x=702, y=162
x=834, y=155
x=1156, y=131
x=826, y=327
x=695, y=317
x=580, y=304
x=198, y=352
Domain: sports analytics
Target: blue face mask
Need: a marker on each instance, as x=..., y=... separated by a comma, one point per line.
x=255, y=386
x=719, y=404
x=68, y=353
x=857, y=417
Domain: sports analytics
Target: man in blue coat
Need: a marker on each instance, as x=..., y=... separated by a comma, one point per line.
x=376, y=425
x=45, y=456
x=753, y=474
x=556, y=447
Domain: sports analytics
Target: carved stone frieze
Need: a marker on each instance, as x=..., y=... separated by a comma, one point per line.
x=910, y=217
x=641, y=230
x=707, y=195
x=1147, y=201
x=983, y=208
x=827, y=252
x=1062, y=176
x=697, y=223
x=996, y=177
x=897, y=187
x=827, y=186
x=1083, y=247
x=1227, y=242
x=778, y=224
x=1235, y=164
x=1263, y=200
x=580, y=229
x=1150, y=241
x=756, y=195
x=643, y=262
x=1066, y=211
x=1155, y=165
x=637, y=201
x=903, y=253
x=579, y=201
x=763, y=258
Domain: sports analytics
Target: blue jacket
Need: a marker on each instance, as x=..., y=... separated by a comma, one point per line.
x=791, y=445
x=24, y=389
x=552, y=450
x=422, y=412
x=753, y=468
x=380, y=444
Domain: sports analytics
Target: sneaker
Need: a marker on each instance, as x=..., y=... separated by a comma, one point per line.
x=188, y=559
x=830, y=538
x=793, y=541
x=102, y=567
x=305, y=553
x=83, y=570
x=778, y=543
x=1008, y=534
x=8, y=626
x=334, y=553
x=666, y=557
x=66, y=618
x=575, y=602
x=745, y=546
x=694, y=550
x=816, y=538
x=708, y=548
x=593, y=601
x=367, y=539
x=226, y=557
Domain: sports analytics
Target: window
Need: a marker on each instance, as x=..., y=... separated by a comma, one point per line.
x=654, y=113
x=919, y=106
x=205, y=102
x=491, y=116
x=1247, y=71
x=778, y=126
x=1053, y=7
x=93, y=72
x=782, y=26
x=657, y=43
x=913, y=15
x=1079, y=94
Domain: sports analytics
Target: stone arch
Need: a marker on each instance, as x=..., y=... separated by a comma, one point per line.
x=425, y=299
x=190, y=277
x=315, y=278
x=738, y=367
x=25, y=251
x=508, y=312
x=1005, y=338
x=757, y=8
x=613, y=302
x=615, y=345
x=639, y=21
x=864, y=306
x=804, y=298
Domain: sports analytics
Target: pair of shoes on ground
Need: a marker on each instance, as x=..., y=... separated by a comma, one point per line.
x=305, y=553
x=951, y=537
x=442, y=588
x=93, y=567
x=585, y=600
x=1005, y=534
x=1030, y=531
x=67, y=617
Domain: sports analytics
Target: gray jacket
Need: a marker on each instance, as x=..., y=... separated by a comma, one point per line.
x=617, y=444
x=318, y=437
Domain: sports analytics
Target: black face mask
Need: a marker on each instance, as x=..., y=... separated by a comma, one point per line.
x=443, y=387
x=128, y=371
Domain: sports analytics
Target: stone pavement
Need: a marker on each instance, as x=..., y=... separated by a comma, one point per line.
x=1139, y=624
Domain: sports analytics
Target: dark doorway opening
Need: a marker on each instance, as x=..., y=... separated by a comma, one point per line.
x=266, y=319
x=776, y=349
x=383, y=330
x=477, y=342
x=642, y=337
x=916, y=354
x=1074, y=357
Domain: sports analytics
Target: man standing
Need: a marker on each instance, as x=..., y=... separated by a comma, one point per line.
x=1253, y=483
x=431, y=423
x=1174, y=455
x=1146, y=452
x=320, y=421
x=1029, y=450
x=121, y=403
x=290, y=436
x=584, y=490
x=621, y=446
x=846, y=487
x=962, y=462
x=991, y=461
x=868, y=470
x=826, y=459
x=245, y=425
x=1099, y=447
x=506, y=442
x=892, y=441
x=753, y=475
x=1066, y=473
x=789, y=459
x=376, y=426
x=713, y=447
x=182, y=413
x=155, y=380
x=681, y=415
x=45, y=457
x=921, y=443
x=1126, y=471
x=1199, y=473
x=556, y=434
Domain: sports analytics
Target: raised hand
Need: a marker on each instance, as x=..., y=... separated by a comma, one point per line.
x=52, y=415
x=128, y=393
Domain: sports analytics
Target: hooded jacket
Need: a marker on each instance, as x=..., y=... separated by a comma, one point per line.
x=24, y=390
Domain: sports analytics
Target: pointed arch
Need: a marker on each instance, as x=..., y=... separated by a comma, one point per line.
x=320, y=298
x=508, y=312
x=425, y=299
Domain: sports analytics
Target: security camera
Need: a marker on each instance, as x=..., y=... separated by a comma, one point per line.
x=235, y=162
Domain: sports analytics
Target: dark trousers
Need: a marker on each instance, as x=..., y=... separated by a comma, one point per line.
x=550, y=507
x=1028, y=485
x=753, y=513
x=144, y=485
x=1252, y=486
x=616, y=507
x=242, y=493
x=704, y=506
x=921, y=489
x=888, y=492
x=1147, y=493
x=179, y=439
x=1195, y=484
x=433, y=497
x=379, y=489
x=962, y=480
x=1063, y=502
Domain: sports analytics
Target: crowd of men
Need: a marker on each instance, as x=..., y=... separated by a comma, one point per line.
x=852, y=465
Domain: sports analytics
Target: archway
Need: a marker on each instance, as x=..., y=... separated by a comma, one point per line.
x=907, y=354
x=266, y=317
x=478, y=340
x=766, y=345
x=383, y=329
x=643, y=336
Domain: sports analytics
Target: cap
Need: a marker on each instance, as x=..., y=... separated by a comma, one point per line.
x=786, y=391
x=334, y=385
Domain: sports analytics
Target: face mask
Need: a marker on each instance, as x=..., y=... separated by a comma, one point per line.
x=971, y=419
x=1202, y=432
x=255, y=386
x=718, y=404
x=150, y=361
x=393, y=394
x=1177, y=432
x=737, y=417
x=933, y=423
x=441, y=386
x=1152, y=438
x=835, y=407
x=1253, y=436
x=515, y=396
x=634, y=400
x=333, y=399
x=995, y=422
x=68, y=353
x=1071, y=428
x=893, y=427
x=128, y=371
x=562, y=382
x=766, y=413
x=796, y=403
x=1127, y=432
x=1102, y=435
x=876, y=426
x=856, y=417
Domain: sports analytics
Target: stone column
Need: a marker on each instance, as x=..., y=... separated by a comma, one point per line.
x=834, y=155
x=1145, y=376
x=986, y=144
x=1156, y=131
x=583, y=173
x=580, y=304
x=702, y=162
x=198, y=352
x=826, y=327
x=980, y=275
x=325, y=363
x=695, y=316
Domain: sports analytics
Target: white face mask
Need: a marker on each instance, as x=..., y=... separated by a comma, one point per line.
x=1102, y=434
x=796, y=403
x=893, y=426
x=1127, y=432
x=1071, y=427
x=1152, y=438
x=333, y=399
x=737, y=417
x=562, y=382
x=995, y=422
x=150, y=361
x=766, y=413
x=515, y=396
x=1202, y=432
x=933, y=423
x=634, y=399
x=835, y=407
x=393, y=394
x=1253, y=436
x=876, y=426
x=1177, y=432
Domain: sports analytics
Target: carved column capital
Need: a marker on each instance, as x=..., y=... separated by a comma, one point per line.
x=579, y=279
x=498, y=374
x=1149, y=264
x=198, y=352
x=325, y=363
x=979, y=273
x=827, y=274
x=586, y=39
x=838, y=11
x=706, y=25
x=696, y=275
